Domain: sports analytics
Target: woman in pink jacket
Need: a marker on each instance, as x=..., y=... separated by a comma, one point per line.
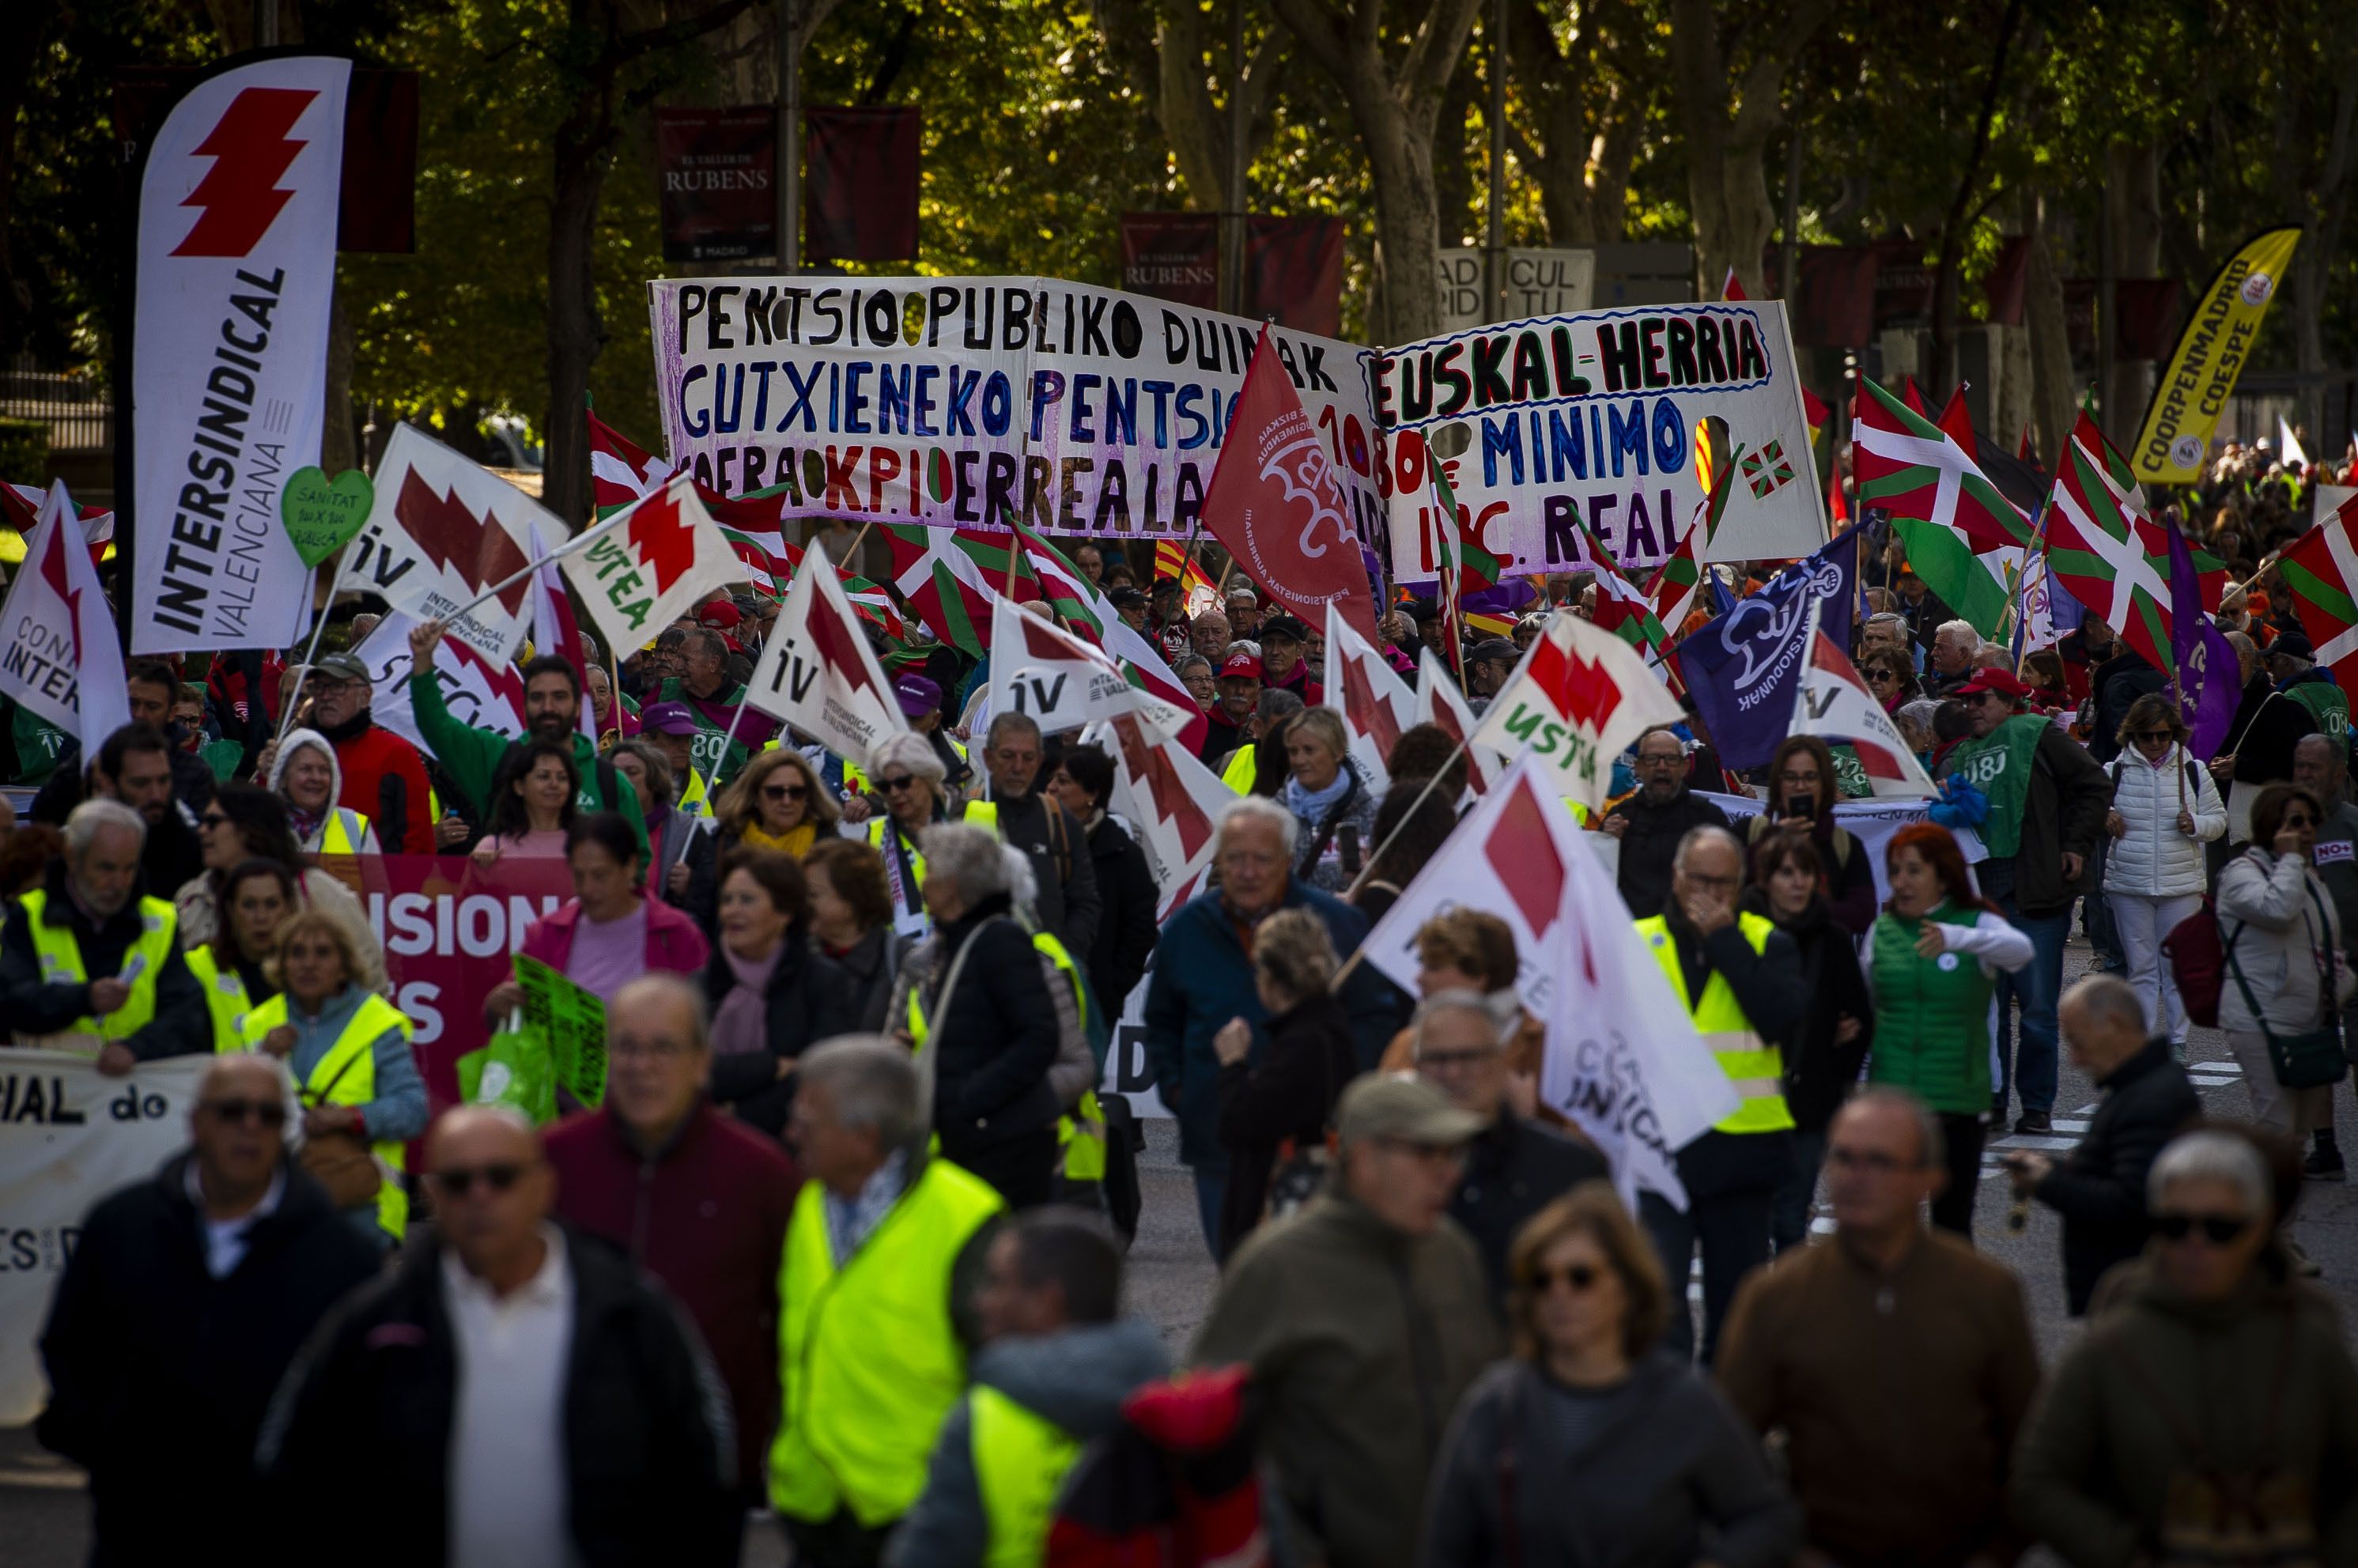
x=611, y=932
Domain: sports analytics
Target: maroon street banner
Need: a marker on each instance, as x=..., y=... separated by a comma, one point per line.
x=860, y=184
x=1834, y=306
x=449, y=928
x=2150, y=311
x=1293, y=271
x=1173, y=256
x=716, y=182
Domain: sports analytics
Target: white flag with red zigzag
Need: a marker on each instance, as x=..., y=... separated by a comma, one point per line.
x=59, y=656
x=646, y=566
x=1579, y=696
x=1375, y=703
x=1171, y=802
x=1063, y=681
x=1623, y=1061
x=1439, y=703
x=818, y=672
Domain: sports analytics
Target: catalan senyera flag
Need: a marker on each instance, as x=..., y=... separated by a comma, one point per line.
x=2193, y=389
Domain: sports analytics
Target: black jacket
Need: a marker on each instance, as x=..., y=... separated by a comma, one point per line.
x=995, y=1040
x=33, y=1005
x=2099, y=1187
x=1819, y=1074
x=144, y=1346
x=1513, y=1169
x=808, y=999
x=649, y=1454
x=1651, y=841
x=2070, y=793
x=1126, y=924
x=2268, y=726
x=1287, y=1094
x=1068, y=902
x=869, y=966
x=2116, y=684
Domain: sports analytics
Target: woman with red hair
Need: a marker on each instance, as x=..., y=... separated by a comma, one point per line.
x=1933, y=962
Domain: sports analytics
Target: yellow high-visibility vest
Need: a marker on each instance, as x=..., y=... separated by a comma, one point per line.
x=225, y=997
x=342, y=831
x=1242, y=770
x=867, y=1361
x=346, y=1075
x=59, y=952
x=1756, y=1067
x=1021, y=1459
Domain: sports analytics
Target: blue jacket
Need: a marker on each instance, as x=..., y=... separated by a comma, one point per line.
x=1203, y=978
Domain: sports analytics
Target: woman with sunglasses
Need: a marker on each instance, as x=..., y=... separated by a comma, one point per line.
x=907, y=775
x=2165, y=808
x=348, y=1050
x=777, y=802
x=1933, y=962
x=1890, y=680
x=2286, y=975
x=1591, y=1445
x=245, y=822
x=2213, y=1408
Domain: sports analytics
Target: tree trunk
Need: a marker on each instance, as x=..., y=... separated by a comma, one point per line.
x=2133, y=187
x=1453, y=171
x=2051, y=384
x=1590, y=117
x=338, y=440
x=2321, y=207
x=1394, y=108
x=1162, y=49
x=1726, y=144
x=575, y=332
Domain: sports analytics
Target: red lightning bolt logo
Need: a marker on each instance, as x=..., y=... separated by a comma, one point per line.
x=1173, y=802
x=453, y=538
x=53, y=572
x=1583, y=690
x=250, y=149
x=663, y=541
x=1370, y=712
x=836, y=640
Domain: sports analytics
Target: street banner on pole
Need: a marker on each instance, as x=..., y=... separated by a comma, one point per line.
x=2193, y=389
x=237, y=266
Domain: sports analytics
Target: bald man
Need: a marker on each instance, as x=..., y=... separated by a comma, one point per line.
x=180, y=1306
x=525, y=1393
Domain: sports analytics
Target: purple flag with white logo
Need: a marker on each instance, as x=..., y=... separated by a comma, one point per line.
x=1744, y=668
x=2208, y=678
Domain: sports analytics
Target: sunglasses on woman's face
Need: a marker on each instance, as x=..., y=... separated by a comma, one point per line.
x=785, y=792
x=1580, y=1277
x=2219, y=1229
x=2155, y=735
x=896, y=785
x=1880, y=677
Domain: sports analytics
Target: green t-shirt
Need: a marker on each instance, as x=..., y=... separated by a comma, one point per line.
x=2327, y=704
x=2000, y=766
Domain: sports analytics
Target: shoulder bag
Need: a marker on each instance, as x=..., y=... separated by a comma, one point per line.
x=2313, y=1058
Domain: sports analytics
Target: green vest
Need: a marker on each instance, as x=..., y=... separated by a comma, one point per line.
x=346, y=1075
x=225, y=997
x=1021, y=1459
x=1999, y=766
x=1756, y=1067
x=868, y=1361
x=1931, y=1016
x=2327, y=704
x=59, y=952
x=711, y=752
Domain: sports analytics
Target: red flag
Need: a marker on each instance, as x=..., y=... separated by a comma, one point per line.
x=1733, y=288
x=1914, y=399
x=1957, y=420
x=1275, y=503
x=2022, y=447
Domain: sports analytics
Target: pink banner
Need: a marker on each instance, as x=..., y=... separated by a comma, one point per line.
x=448, y=927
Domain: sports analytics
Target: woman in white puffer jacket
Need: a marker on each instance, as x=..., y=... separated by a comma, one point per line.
x=2165, y=808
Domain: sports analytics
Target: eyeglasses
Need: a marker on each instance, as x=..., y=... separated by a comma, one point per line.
x=210, y=820
x=2219, y=1229
x=896, y=785
x=262, y=1112
x=498, y=1178
x=1581, y=1277
x=1791, y=777
x=1879, y=677
x=1673, y=760
x=785, y=792
x=2155, y=735
x=1449, y=1061
x=650, y=1050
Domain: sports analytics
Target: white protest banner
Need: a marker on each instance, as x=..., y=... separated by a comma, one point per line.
x=1556, y=423
x=442, y=529
x=818, y=672
x=1129, y=1071
x=1578, y=699
x=1061, y=682
x=59, y=658
x=1623, y=1061
x=645, y=567
x=69, y=1137
x=237, y=264
x=1871, y=822
x=1375, y=704
x=963, y=401
x=479, y=693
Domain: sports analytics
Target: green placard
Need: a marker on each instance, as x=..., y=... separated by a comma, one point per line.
x=573, y=1021
x=321, y=515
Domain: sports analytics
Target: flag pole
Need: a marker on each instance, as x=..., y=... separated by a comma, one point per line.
x=335, y=587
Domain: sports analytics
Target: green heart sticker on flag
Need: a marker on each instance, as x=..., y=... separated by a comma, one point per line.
x=321, y=516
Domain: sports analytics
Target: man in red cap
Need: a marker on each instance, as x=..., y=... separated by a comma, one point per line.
x=2046, y=802
x=1238, y=685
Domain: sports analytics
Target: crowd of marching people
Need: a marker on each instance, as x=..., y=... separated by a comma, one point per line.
x=844, y=1239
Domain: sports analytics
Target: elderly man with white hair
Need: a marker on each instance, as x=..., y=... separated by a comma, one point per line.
x=1203, y=977
x=89, y=962
x=1952, y=661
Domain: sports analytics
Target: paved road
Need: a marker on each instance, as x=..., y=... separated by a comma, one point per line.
x=43, y=1511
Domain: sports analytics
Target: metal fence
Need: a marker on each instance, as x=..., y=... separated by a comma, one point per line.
x=80, y=415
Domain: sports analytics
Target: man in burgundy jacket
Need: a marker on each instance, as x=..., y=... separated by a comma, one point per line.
x=698, y=1201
